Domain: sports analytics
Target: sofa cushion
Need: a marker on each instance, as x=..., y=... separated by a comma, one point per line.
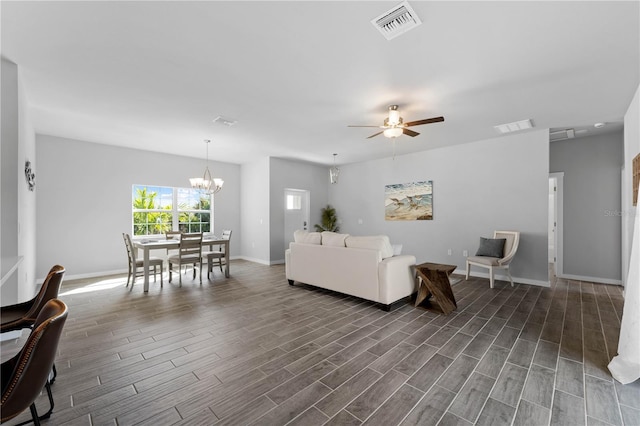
x=397, y=249
x=372, y=242
x=306, y=237
x=333, y=239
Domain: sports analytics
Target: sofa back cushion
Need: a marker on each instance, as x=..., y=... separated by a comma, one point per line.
x=373, y=242
x=306, y=237
x=333, y=239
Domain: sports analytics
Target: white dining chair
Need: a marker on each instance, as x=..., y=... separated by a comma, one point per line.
x=136, y=267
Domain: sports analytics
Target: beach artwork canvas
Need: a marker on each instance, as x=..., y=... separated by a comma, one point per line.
x=409, y=201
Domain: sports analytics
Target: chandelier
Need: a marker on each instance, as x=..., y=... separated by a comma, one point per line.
x=334, y=171
x=205, y=183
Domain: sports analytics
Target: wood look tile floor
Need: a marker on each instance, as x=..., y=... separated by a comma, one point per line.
x=252, y=350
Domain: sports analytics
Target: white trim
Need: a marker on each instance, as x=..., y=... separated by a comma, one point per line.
x=591, y=279
x=559, y=243
x=253, y=259
x=463, y=272
x=89, y=275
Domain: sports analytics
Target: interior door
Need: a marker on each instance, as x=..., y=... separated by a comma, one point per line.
x=296, y=213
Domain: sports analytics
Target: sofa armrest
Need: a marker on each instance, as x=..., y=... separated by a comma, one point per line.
x=396, y=276
x=287, y=262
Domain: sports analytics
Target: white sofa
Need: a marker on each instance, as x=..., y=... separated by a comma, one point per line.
x=359, y=266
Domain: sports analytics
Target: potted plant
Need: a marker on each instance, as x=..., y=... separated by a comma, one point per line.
x=329, y=220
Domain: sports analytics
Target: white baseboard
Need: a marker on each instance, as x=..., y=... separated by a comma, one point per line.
x=68, y=277
x=590, y=279
x=518, y=280
x=110, y=272
x=252, y=259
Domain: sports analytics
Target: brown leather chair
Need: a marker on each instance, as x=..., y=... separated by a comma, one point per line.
x=23, y=315
x=26, y=374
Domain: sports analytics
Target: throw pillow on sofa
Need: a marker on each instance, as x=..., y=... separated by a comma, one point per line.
x=333, y=239
x=372, y=242
x=306, y=237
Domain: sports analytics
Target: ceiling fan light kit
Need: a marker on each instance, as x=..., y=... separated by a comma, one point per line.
x=393, y=132
x=394, y=125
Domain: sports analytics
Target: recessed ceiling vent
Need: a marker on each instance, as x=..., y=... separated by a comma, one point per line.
x=560, y=135
x=226, y=121
x=397, y=21
x=516, y=126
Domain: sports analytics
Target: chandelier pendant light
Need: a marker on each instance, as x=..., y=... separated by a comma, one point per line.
x=334, y=171
x=206, y=184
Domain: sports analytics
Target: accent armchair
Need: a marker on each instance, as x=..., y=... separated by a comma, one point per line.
x=492, y=260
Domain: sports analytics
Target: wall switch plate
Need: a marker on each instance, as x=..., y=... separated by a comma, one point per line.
x=465, y=253
x=449, y=252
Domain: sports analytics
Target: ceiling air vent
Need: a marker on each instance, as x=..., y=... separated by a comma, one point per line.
x=516, y=126
x=397, y=21
x=560, y=135
x=224, y=121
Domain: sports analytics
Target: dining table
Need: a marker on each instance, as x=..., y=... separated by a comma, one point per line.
x=146, y=245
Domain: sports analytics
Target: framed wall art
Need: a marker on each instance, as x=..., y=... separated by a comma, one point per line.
x=409, y=201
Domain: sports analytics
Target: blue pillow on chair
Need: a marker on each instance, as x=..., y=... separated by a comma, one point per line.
x=491, y=247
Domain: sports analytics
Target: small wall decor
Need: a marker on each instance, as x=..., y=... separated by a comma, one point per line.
x=409, y=201
x=29, y=175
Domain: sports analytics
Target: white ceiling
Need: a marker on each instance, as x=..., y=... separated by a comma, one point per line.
x=153, y=75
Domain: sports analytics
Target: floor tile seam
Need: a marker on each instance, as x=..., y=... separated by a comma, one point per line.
x=278, y=405
x=584, y=378
x=389, y=397
x=615, y=394
x=629, y=406
x=457, y=394
x=352, y=399
x=500, y=373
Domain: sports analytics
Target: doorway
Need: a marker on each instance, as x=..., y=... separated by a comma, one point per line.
x=555, y=222
x=296, y=213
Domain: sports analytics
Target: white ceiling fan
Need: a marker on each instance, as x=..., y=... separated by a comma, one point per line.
x=395, y=126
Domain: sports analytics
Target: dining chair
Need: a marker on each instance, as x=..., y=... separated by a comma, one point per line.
x=27, y=373
x=189, y=254
x=136, y=267
x=219, y=254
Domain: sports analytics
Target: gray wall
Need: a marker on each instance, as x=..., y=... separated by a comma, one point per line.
x=592, y=203
x=84, y=199
x=479, y=187
x=255, y=211
x=295, y=175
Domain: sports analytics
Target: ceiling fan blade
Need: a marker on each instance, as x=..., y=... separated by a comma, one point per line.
x=379, y=127
x=410, y=133
x=425, y=121
x=375, y=134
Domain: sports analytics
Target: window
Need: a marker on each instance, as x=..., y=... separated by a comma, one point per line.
x=157, y=209
x=294, y=202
